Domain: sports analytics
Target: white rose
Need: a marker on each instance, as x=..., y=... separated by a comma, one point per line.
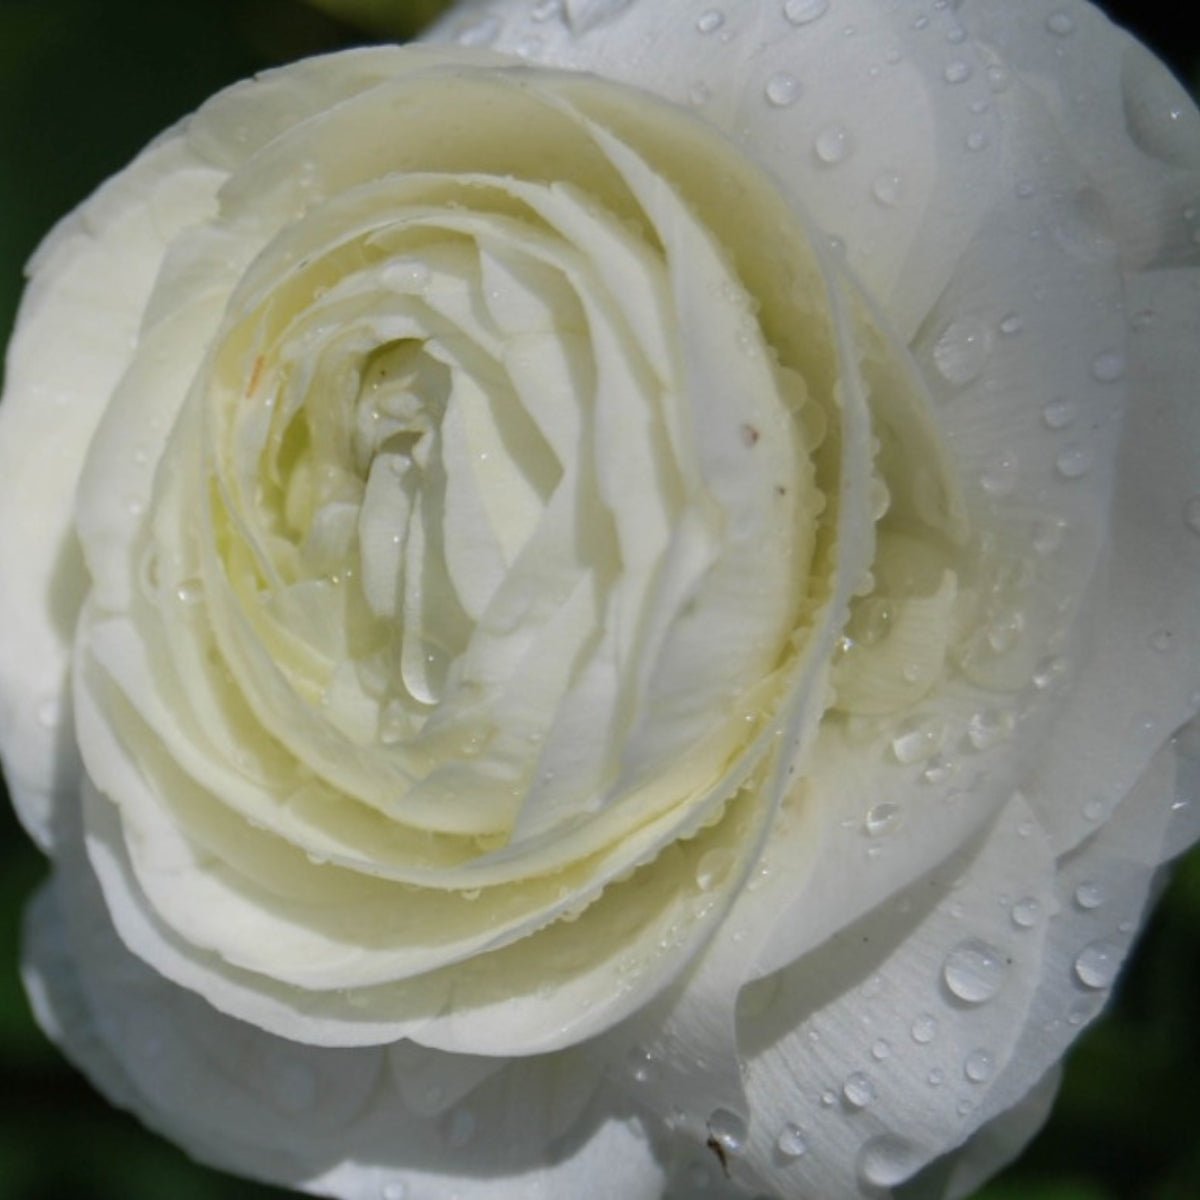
x=563, y=646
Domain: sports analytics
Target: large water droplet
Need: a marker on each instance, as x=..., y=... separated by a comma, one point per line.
x=962, y=350
x=713, y=867
x=974, y=971
x=1097, y=964
x=1089, y=895
x=728, y=1129
x=791, y=1142
x=801, y=12
x=887, y=1160
x=858, y=1090
x=832, y=145
x=881, y=1049
x=782, y=89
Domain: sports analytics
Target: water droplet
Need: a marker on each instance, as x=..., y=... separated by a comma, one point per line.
x=1073, y=462
x=988, y=729
x=190, y=592
x=881, y=1050
x=936, y=1077
x=1093, y=810
x=1059, y=413
x=886, y=188
x=782, y=89
x=962, y=350
x=1097, y=964
x=828, y=1099
x=1011, y=323
x=1108, y=367
x=978, y=1066
x=1001, y=477
x=1026, y=913
x=713, y=867
x=887, y=1160
x=1089, y=895
x=640, y=1063
x=791, y=1142
x=584, y=15
x=858, y=1090
x=729, y=1130
x=832, y=145
x=977, y=140
x=924, y=1029
x=1060, y=23
x=974, y=971
x=881, y=818
x=710, y=21
x=957, y=71
x=406, y=275
x=802, y=12
x=1191, y=514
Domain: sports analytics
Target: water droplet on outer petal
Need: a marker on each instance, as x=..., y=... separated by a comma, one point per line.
x=802, y=12
x=832, y=145
x=886, y=188
x=979, y=1066
x=1074, y=462
x=1058, y=414
x=729, y=1130
x=881, y=818
x=791, y=1142
x=957, y=72
x=977, y=140
x=713, y=867
x=1026, y=913
x=1060, y=23
x=1108, y=367
x=1097, y=964
x=962, y=351
x=924, y=1029
x=710, y=21
x=1011, y=324
x=782, y=89
x=858, y=1090
x=887, y=1160
x=881, y=1050
x=1089, y=895
x=1160, y=116
x=974, y=971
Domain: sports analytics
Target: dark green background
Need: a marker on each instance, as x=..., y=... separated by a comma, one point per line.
x=83, y=85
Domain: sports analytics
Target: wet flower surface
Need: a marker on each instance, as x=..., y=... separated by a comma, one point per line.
x=568, y=626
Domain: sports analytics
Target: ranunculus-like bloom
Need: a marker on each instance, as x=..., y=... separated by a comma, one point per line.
x=615, y=633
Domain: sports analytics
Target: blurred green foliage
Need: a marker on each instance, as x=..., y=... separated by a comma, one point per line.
x=83, y=85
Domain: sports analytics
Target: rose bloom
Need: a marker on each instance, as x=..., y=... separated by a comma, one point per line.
x=607, y=606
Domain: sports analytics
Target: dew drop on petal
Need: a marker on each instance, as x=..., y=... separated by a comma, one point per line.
x=1060, y=23
x=974, y=971
x=887, y=1160
x=791, y=1142
x=1026, y=913
x=1059, y=413
x=924, y=1029
x=802, y=12
x=1073, y=462
x=713, y=867
x=1108, y=367
x=886, y=188
x=978, y=1066
x=1097, y=964
x=710, y=21
x=641, y=1064
x=782, y=89
x=957, y=72
x=1161, y=118
x=881, y=818
x=962, y=350
x=977, y=140
x=881, y=1050
x=936, y=1077
x=1011, y=324
x=832, y=145
x=858, y=1090
x=1089, y=895
x=729, y=1130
